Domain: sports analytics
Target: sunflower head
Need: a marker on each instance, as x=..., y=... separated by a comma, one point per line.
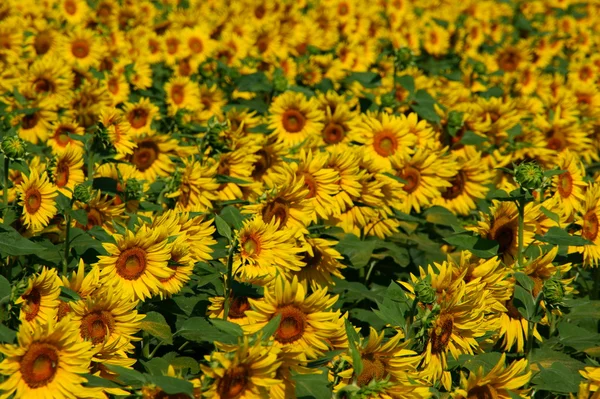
x=553, y=291
x=13, y=148
x=529, y=175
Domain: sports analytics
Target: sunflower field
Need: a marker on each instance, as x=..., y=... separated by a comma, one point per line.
x=281, y=199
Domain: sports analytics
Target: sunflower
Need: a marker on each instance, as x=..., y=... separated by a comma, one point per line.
x=338, y=119
x=322, y=182
x=237, y=309
x=140, y=115
x=322, y=263
x=306, y=321
x=47, y=362
x=35, y=124
x=500, y=382
x=136, y=263
x=345, y=162
x=80, y=282
x=384, y=136
x=590, y=388
x=141, y=78
x=104, y=319
x=198, y=186
x=36, y=196
x=68, y=170
x=182, y=94
x=243, y=371
x=118, y=131
x=264, y=250
x=81, y=49
x=40, y=299
x=198, y=43
x=117, y=87
x=152, y=155
x=125, y=175
x=269, y=160
x=100, y=211
x=295, y=119
x=469, y=185
x=213, y=101
x=73, y=11
x=237, y=164
x=569, y=185
x=181, y=263
x=427, y=173
x=48, y=78
x=590, y=225
x=62, y=133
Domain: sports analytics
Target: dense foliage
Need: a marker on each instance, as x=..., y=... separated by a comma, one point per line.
x=312, y=199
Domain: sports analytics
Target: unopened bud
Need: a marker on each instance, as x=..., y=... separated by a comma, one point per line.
x=529, y=175
x=13, y=148
x=553, y=291
x=425, y=292
x=133, y=190
x=82, y=193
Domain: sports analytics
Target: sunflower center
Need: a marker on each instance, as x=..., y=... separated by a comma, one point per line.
x=177, y=94
x=412, y=176
x=138, y=118
x=333, y=133
x=292, y=324
x=43, y=85
x=590, y=226
x=131, y=263
x=262, y=164
x=145, y=155
x=293, y=121
x=314, y=260
x=373, y=369
x=63, y=310
x=195, y=45
x=233, y=382
x=385, y=143
x=94, y=218
x=42, y=42
x=311, y=184
x=39, y=365
x=512, y=310
x=441, y=334
x=96, y=326
x=555, y=144
x=113, y=85
x=172, y=45
x=80, y=48
x=32, y=304
x=565, y=184
x=509, y=60
x=482, y=392
x=62, y=174
x=586, y=73
x=62, y=136
x=278, y=208
x=30, y=121
x=251, y=246
x=33, y=200
x=238, y=307
x=343, y=9
x=458, y=185
x=70, y=7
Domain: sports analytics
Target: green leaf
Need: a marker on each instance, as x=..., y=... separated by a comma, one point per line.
x=368, y=80
x=82, y=242
x=14, y=244
x=325, y=359
x=407, y=82
x=95, y=381
x=394, y=306
x=155, y=324
x=254, y=82
x=576, y=337
x=172, y=385
x=185, y=362
x=442, y=216
x=269, y=329
x=472, y=138
x=228, y=327
x=313, y=386
x=5, y=289
x=222, y=179
x=550, y=215
x=423, y=106
x=353, y=342
x=553, y=172
x=557, y=379
x=233, y=216
x=557, y=236
x=479, y=246
x=128, y=376
x=80, y=215
x=198, y=329
x=524, y=281
x=514, y=131
x=222, y=227
x=525, y=304
x=485, y=360
x=68, y=295
x=358, y=252
x=396, y=252
x=7, y=336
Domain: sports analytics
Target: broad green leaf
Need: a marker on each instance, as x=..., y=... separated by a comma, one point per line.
x=95, y=381
x=353, y=343
x=557, y=236
x=407, y=82
x=544, y=357
x=557, y=379
x=472, y=138
x=442, y=216
x=423, y=106
x=230, y=179
x=254, y=82
x=5, y=289
x=487, y=361
x=68, y=295
x=525, y=304
x=80, y=215
x=155, y=324
x=172, y=385
x=222, y=227
x=550, y=215
x=184, y=362
x=479, y=246
x=233, y=216
x=198, y=329
x=393, y=250
x=325, y=359
x=14, y=244
x=7, y=336
x=312, y=386
x=269, y=329
x=524, y=280
x=576, y=337
x=368, y=80
x=228, y=327
x=514, y=131
x=358, y=252
x=128, y=376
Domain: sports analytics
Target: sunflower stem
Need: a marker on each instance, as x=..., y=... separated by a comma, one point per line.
x=411, y=317
x=146, y=345
x=67, y=243
x=5, y=184
x=228, y=282
x=531, y=325
x=521, y=209
x=154, y=350
x=370, y=270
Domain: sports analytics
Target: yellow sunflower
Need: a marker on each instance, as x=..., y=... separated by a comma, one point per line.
x=62, y=133
x=47, y=362
x=81, y=49
x=68, y=170
x=306, y=321
x=35, y=126
x=569, y=185
x=265, y=250
x=238, y=163
x=182, y=93
x=118, y=131
x=152, y=156
x=345, y=162
x=117, y=88
x=243, y=371
x=295, y=119
x=136, y=263
x=101, y=211
x=198, y=186
x=384, y=136
x=80, y=282
x=40, y=299
x=182, y=263
x=140, y=115
x=590, y=225
x=48, y=78
x=500, y=382
x=237, y=309
x=322, y=263
x=36, y=196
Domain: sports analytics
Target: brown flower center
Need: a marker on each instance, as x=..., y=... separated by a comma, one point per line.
x=33, y=200
x=177, y=94
x=30, y=121
x=63, y=310
x=385, y=143
x=31, y=307
x=511, y=309
x=138, y=117
x=412, y=176
x=172, y=45
x=333, y=133
x=311, y=184
x=131, y=263
x=39, y=364
x=62, y=174
x=238, y=307
x=292, y=324
x=250, y=246
x=589, y=229
x=96, y=326
x=565, y=184
x=61, y=135
x=457, y=188
x=293, y=121
x=42, y=42
x=94, y=218
x=373, y=369
x=279, y=209
x=233, y=382
x=145, y=154
x=314, y=260
x=80, y=48
x=441, y=333
x=482, y=392
x=43, y=85
x=70, y=7
x=113, y=85
x=262, y=164
x=195, y=45
x=509, y=60
x=503, y=232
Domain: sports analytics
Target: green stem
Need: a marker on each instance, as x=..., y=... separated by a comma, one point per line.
x=228, y=284
x=146, y=345
x=521, y=208
x=5, y=183
x=155, y=349
x=67, y=243
x=183, y=346
x=370, y=270
x=411, y=317
x=531, y=326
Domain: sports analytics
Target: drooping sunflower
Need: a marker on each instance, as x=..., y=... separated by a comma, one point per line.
x=345, y=162
x=243, y=371
x=136, y=263
x=140, y=115
x=306, y=321
x=269, y=159
x=468, y=185
x=47, y=362
x=80, y=282
x=384, y=136
x=237, y=309
x=181, y=263
x=500, y=382
x=295, y=119
x=62, y=133
x=265, y=250
x=36, y=196
x=35, y=125
x=569, y=185
x=590, y=226
x=68, y=170
x=322, y=263
x=40, y=299
x=118, y=131
x=238, y=163
x=198, y=186
x=338, y=119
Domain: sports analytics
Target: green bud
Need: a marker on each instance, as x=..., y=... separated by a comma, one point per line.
x=82, y=193
x=13, y=148
x=133, y=190
x=425, y=292
x=404, y=58
x=280, y=82
x=215, y=125
x=455, y=119
x=553, y=291
x=479, y=67
x=529, y=175
x=349, y=391
x=388, y=100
